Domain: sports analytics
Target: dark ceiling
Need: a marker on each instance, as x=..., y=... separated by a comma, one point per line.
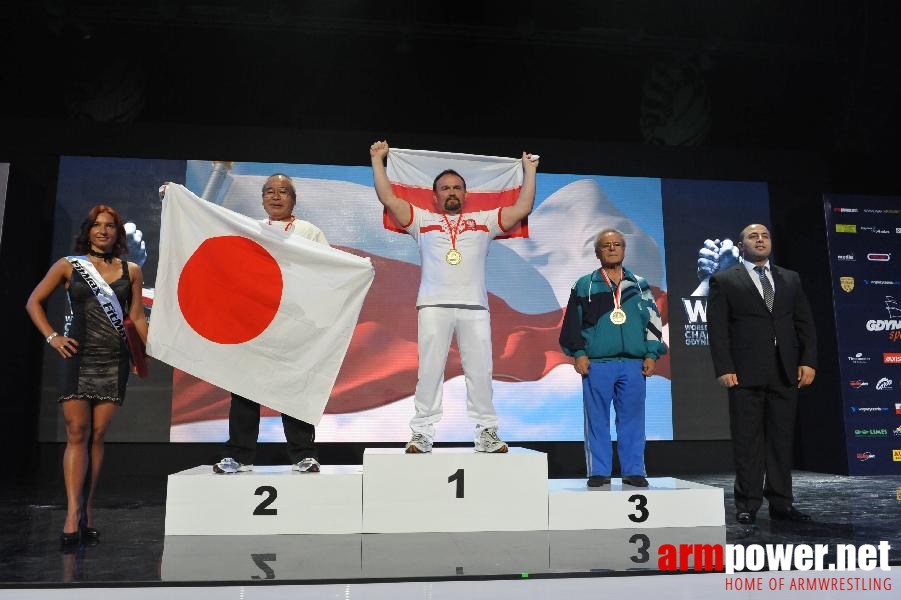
x=813, y=75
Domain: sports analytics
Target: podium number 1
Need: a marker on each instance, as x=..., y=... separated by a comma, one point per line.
x=458, y=477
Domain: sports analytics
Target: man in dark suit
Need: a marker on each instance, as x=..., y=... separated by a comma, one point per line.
x=763, y=343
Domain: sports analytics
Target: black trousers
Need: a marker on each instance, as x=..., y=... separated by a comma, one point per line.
x=244, y=429
x=762, y=420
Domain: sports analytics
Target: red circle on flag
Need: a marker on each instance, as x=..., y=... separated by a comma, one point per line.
x=230, y=289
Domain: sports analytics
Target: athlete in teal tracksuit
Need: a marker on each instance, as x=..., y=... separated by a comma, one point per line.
x=612, y=328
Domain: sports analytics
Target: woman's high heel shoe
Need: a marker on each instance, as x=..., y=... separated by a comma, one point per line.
x=90, y=533
x=70, y=539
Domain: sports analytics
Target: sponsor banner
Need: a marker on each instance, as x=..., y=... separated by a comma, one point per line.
x=867, y=301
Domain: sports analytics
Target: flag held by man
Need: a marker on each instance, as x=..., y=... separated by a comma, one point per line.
x=252, y=309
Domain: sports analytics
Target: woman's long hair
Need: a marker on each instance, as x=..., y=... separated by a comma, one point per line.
x=83, y=240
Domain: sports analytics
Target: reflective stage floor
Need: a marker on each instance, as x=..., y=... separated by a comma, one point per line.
x=133, y=551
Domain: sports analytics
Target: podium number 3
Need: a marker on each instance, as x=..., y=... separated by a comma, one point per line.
x=270, y=495
x=458, y=477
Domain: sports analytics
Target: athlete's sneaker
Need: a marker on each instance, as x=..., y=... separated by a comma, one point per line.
x=489, y=442
x=307, y=465
x=418, y=444
x=229, y=465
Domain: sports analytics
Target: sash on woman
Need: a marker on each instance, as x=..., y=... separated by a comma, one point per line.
x=123, y=324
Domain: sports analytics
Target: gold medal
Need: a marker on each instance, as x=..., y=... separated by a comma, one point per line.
x=453, y=257
x=618, y=316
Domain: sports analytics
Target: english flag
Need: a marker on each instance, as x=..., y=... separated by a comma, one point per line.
x=251, y=308
x=491, y=181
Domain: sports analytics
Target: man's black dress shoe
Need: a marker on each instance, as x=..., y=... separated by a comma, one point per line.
x=789, y=514
x=746, y=518
x=598, y=481
x=635, y=481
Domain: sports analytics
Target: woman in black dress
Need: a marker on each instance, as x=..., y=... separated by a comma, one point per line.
x=96, y=365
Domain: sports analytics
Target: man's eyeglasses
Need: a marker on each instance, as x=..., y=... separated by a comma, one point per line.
x=611, y=245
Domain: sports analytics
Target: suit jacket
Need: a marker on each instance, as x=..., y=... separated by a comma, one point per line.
x=741, y=330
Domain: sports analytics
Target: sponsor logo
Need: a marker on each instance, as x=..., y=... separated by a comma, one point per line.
x=879, y=256
x=874, y=229
x=890, y=358
x=898, y=408
x=845, y=228
x=869, y=409
x=858, y=383
x=892, y=324
x=849, y=257
x=881, y=282
x=846, y=283
x=865, y=456
x=845, y=210
x=897, y=229
x=884, y=384
x=870, y=432
x=896, y=456
x=859, y=359
x=897, y=430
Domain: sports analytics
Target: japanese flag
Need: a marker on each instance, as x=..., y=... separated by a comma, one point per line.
x=491, y=181
x=251, y=308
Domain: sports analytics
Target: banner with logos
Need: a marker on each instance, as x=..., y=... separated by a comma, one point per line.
x=864, y=234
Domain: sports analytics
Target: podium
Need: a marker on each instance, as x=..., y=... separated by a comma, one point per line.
x=450, y=490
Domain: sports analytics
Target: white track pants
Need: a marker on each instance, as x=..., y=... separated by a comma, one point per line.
x=437, y=325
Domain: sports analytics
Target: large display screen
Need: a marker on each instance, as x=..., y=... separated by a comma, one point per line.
x=677, y=233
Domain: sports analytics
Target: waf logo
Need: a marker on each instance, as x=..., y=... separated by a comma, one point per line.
x=884, y=383
x=858, y=383
x=891, y=358
x=879, y=257
x=865, y=456
x=846, y=283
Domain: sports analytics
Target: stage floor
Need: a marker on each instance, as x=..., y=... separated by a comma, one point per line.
x=134, y=552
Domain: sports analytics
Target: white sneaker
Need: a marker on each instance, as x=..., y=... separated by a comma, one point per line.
x=307, y=465
x=229, y=465
x=418, y=444
x=489, y=442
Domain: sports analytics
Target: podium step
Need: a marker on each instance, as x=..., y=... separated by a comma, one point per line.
x=267, y=500
x=454, y=489
x=666, y=502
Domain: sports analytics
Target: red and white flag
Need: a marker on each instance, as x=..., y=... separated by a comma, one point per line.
x=251, y=308
x=491, y=181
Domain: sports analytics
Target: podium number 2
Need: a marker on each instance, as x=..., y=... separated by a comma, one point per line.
x=458, y=477
x=641, y=503
x=270, y=495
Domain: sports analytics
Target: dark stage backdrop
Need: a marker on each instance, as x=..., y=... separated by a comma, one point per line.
x=669, y=224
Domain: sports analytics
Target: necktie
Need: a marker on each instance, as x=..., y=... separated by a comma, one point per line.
x=767, y=288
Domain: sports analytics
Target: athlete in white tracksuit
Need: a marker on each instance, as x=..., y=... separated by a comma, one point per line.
x=453, y=297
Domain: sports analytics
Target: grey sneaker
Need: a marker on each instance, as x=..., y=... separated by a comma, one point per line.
x=489, y=442
x=418, y=444
x=307, y=465
x=229, y=465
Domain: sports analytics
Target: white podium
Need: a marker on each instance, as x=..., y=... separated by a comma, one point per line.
x=454, y=489
x=666, y=502
x=267, y=500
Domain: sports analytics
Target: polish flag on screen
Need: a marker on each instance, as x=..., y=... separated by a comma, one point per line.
x=491, y=181
x=529, y=280
x=253, y=309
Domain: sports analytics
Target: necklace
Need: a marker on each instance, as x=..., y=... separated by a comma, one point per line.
x=106, y=256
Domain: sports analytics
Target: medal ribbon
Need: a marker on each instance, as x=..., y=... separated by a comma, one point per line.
x=616, y=291
x=455, y=231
